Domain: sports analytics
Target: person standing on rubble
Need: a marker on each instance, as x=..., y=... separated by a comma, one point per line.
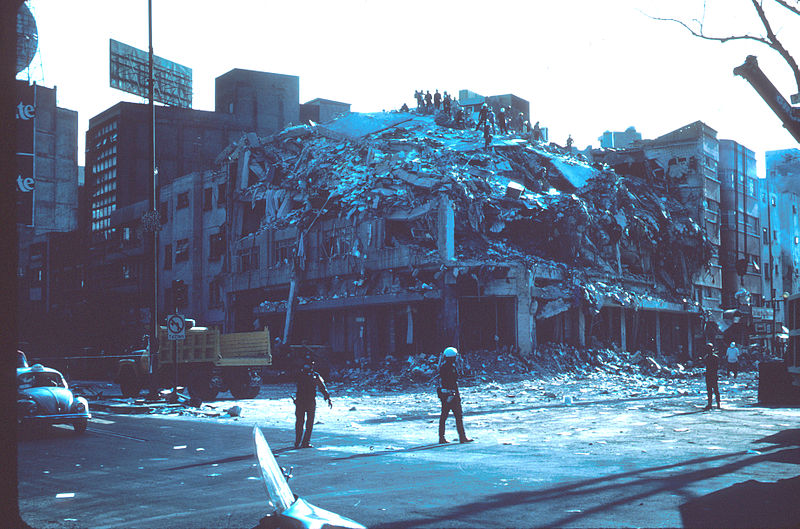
x=437, y=100
x=446, y=103
x=711, y=361
x=537, y=133
x=305, y=402
x=487, y=134
x=733, y=359
x=570, y=141
x=428, y=102
x=492, y=120
x=449, y=395
x=483, y=114
x=502, y=121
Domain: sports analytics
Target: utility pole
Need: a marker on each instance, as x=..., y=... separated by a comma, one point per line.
x=155, y=223
x=771, y=266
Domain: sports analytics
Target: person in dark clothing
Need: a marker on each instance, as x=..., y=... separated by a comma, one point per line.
x=428, y=102
x=419, y=98
x=482, y=115
x=437, y=100
x=446, y=103
x=570, y=141
x=537, y=132
x=501, y=119
x=711, y=361
x=308, y=381
x=449, y=395
x=487, y=134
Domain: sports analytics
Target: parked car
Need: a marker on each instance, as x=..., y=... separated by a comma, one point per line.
x=43, y=397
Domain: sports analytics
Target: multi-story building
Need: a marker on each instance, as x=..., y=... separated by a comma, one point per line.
x=689, y=157
x=119, y=180
x=781, y=198
x=47, y=202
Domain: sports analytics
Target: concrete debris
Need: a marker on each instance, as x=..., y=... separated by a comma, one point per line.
x=527, y=202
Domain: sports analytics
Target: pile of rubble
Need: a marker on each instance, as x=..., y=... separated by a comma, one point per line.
x=508, y=364
x=519, y=200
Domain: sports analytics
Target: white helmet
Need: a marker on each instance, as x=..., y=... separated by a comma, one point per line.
x=450, y=352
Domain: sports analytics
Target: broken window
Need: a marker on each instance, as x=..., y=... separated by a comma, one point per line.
x=216, y=246
x=248, y=258
x=283, y=250
x=337, y=241
x=208, y=198
x=182, y=250
x=168, y=257
x=183, y=200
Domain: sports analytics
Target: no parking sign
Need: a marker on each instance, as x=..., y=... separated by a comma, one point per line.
x=176, y=327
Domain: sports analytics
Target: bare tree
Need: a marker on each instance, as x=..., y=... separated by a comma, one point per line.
x=750, y=69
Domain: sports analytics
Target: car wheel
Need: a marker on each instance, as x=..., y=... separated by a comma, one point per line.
x=200, y=387
x=80, y=425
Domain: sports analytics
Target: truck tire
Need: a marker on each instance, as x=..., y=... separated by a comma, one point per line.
x=80, y=425
x=129, y=383
x=244, y=391
x=200, y=386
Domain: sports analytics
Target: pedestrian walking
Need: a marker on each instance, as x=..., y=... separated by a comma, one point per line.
x=711, y=361
x=308, y=382
x=733, y=359
x=501, y=118
x=437, y=100
x=449, y=395
x=483, y=114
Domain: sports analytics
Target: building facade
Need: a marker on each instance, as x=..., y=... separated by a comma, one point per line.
x=321, y=110
x=48, y=205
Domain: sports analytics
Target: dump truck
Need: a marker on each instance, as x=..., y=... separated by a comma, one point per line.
x=207, y=362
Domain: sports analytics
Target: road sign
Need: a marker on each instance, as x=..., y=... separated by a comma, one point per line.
x=176, y=327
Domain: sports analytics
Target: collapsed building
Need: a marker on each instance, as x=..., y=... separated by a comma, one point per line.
x=392, y=234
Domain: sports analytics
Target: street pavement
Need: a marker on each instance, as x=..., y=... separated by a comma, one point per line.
x=642, y=460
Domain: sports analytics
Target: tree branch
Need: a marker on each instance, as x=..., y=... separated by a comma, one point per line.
x=793, y=9
x=775, y=44
x=702, y=35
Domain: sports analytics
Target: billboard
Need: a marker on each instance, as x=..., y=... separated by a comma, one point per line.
x=128, y=71
x=26, y=127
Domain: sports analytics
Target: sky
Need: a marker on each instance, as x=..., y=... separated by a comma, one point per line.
x=585, y=66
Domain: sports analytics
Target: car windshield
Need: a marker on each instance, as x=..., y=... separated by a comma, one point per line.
x=40, y=380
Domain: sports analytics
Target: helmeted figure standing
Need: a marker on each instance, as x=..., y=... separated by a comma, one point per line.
x=449, y=394
x=711, y=361
x=308, y=381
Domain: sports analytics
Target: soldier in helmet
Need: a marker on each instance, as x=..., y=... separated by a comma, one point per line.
x=449, y=395
x=482, y=115
x=308, y=381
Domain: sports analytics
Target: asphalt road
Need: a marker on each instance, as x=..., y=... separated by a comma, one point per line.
x=676, y=466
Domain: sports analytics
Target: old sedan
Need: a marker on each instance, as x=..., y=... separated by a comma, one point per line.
x=43, y=397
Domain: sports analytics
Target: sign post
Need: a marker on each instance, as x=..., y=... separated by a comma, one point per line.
x=176, y=330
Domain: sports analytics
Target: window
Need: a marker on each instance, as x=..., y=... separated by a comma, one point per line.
x=216, y=246
x=283, y=250
x=248, y=259
x=183, y=200
x=182, y=250
x=208, y=196
x=168, y=257
x=221, y=197
x=765, y=235
x=215, y=294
